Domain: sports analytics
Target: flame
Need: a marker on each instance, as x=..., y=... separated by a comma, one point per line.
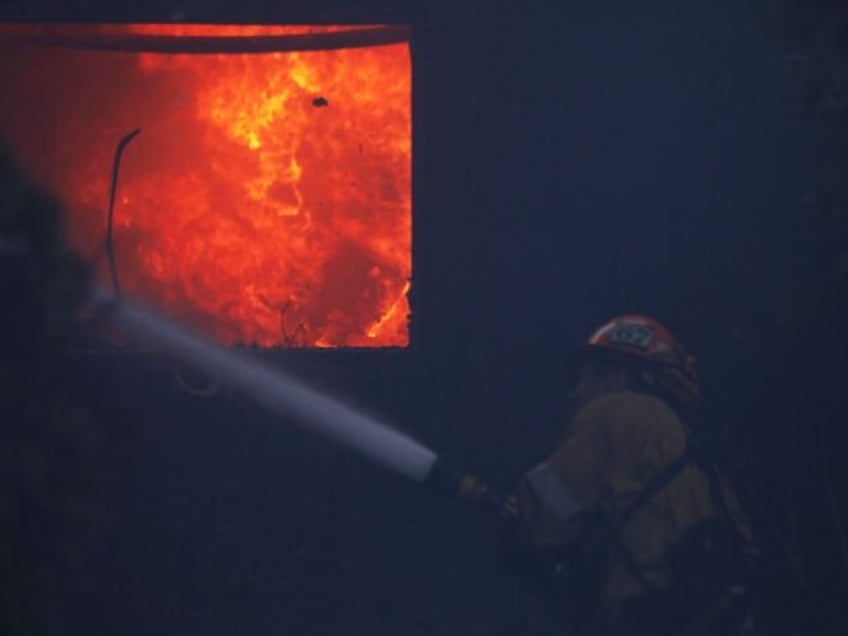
x=268, y=198
x=375, y=330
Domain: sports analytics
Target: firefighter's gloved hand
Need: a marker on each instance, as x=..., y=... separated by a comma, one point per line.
x=447, y=478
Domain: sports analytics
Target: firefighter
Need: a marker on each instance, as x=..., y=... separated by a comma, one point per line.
x=628, y=527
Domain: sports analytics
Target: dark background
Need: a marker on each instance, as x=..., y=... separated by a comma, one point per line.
x=572, y=161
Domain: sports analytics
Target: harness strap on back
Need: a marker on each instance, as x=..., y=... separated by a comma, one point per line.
x=665, y=477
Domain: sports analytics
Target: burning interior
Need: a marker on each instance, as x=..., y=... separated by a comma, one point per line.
x=267, y=199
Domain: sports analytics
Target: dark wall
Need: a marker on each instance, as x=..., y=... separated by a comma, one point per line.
x=572, y=161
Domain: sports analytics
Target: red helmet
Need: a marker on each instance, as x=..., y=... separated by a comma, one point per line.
x=644, y=338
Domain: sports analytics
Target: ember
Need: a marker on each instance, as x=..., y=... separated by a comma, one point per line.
x=267, y=199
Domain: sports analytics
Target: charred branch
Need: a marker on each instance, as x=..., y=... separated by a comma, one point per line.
x=291, y=339
x=116, y=167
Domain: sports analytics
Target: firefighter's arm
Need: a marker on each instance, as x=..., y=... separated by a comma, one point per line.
x=559, y=497
x=550, y=512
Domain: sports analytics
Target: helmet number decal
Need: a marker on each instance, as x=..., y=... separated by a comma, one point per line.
x=632, y=336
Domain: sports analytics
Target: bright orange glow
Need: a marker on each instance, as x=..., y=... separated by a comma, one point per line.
x=267, y=199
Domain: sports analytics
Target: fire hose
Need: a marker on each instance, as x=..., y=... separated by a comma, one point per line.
x=288, y=397
x=285, y=395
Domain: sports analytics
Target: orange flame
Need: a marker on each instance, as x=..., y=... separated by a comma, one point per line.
x=268, y=198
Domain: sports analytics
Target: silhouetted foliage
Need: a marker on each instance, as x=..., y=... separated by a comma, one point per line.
x=46, y=474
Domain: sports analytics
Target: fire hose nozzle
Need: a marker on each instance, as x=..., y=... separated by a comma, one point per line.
x=446, y=479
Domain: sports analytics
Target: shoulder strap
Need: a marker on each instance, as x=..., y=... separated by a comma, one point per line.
x=690, y=456
x=666, y=476
x=659, y=482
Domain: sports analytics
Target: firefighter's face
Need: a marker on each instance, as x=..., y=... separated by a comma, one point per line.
x=595, y=379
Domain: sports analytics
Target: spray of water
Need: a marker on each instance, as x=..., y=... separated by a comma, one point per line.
x=277, y=391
